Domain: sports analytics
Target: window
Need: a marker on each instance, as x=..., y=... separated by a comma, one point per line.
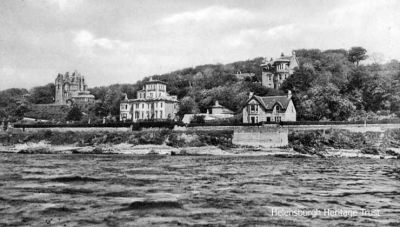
x=137, y=105
x=142, y=105
x=156, y=114
x=161, y=104
x=126, y=107
x=278, y=108
x=136, y=114
x=253, y=108
x=280, y=76
x=161, y=116
x=268, y=119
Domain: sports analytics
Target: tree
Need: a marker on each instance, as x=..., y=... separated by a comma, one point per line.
x=112, y=101
x=74, y=114
x=20, y=111
x=42, y=94
x=326, y=102
x=187, y=105
x=357, y=54
x=199, y=119
x=299, y=81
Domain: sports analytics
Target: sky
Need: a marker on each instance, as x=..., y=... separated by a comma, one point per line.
x=123, y=41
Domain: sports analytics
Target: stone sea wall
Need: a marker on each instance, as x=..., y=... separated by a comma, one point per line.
x=264, y=136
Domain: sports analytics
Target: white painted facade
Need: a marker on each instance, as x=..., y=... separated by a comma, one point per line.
x=153, y=102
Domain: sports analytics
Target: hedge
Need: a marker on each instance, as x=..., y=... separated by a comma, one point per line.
x=171, y=124
x=136, y=125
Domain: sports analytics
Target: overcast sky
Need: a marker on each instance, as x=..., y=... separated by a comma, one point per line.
x=123, y=41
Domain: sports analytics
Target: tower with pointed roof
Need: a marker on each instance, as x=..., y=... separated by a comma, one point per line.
x=276, y=71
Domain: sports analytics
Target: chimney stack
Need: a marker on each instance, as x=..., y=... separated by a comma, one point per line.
x=251, y=94
x=289, y=94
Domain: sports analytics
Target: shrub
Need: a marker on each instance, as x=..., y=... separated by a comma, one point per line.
x=199, y=119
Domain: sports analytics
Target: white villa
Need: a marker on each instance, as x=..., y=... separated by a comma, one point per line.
x=152, y=102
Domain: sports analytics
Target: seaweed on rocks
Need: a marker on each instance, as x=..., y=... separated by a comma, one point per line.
x=370, y=150
x=75, y=179
x=140, y=205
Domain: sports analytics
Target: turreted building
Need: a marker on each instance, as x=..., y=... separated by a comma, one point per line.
x=275, y=71
x=72, y=89
x=153, y=102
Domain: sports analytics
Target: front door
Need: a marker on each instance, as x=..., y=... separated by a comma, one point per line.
x=253, y=120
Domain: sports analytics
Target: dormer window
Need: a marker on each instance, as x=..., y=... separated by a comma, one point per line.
x=253, y=108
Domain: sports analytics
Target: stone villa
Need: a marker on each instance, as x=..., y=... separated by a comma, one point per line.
x=72, y=89
x=275, y=71
x=152, y=102
x=269, y=109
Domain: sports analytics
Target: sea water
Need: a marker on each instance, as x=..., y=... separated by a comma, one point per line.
x=129, y=190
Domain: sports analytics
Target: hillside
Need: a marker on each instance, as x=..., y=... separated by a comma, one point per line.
x=329, y=84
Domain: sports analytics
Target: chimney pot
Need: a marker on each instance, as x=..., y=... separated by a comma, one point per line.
x=289, y=94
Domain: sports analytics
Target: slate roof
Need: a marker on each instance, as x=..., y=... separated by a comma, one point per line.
x=268, y=102
x=224, y=109
x=161, y=98
x=155, y=82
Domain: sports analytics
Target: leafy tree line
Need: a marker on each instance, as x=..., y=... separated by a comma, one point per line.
x=333, y=85
x=329, y=84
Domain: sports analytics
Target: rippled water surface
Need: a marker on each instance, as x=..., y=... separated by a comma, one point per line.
x=118, y=190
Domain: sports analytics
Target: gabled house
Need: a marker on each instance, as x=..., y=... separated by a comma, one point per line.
x=269, y=109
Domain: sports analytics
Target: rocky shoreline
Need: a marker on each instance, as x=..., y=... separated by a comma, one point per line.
x=44, y=147
x=304, y=144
